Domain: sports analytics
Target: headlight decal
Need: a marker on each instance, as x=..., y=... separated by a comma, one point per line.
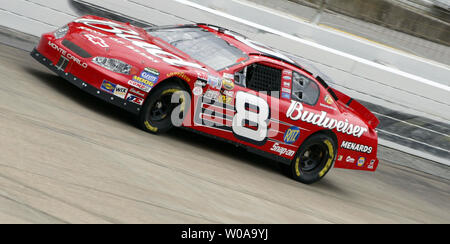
x=114, y=65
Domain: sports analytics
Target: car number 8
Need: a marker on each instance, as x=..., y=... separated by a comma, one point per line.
x=260, y=118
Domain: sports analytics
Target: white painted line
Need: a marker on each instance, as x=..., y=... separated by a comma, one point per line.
x=413, y=140
x=271, y=11
x=418, y=126
x=291, y=37
x=414, y=152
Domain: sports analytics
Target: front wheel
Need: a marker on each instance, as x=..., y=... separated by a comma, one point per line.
x=156, y=115
x=314, y=159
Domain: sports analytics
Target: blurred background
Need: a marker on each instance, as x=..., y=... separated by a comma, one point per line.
x=419, y=27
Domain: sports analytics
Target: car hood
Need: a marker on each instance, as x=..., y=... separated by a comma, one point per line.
x=111, y=39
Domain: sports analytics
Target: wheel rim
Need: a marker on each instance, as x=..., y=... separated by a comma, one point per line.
x=313, y=156
x=162, y=107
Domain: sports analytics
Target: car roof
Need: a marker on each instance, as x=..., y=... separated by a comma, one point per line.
x=262, y=50
x=251, y=48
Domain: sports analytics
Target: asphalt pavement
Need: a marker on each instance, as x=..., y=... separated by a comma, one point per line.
x=67, y=157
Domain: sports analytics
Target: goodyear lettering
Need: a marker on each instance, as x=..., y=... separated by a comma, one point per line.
x=181, y=75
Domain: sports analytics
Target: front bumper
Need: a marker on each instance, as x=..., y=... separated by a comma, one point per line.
x=119, y=102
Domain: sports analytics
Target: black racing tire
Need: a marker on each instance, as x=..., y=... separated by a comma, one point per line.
x=156, y=115
x=314, y=159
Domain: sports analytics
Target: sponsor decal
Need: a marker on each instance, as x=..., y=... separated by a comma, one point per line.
x=228, y=93
x=361, y=161
x=200, y=83
x=197, y=91
x=287, y=78
x=287, y=90
x=282, y=150
x=328, y=106
x=120, y=91
x=228, y=84
x=286, y=95
x=149, y=76
x=139, y=85
x=215, y=82
x=152, y=71
x=114, y=89
x=108, y=87
x=202, y=75
x=287, y=84
x=226, y=100
x=67, y=54
x=92, y=31
x=349, y=160
x=218, y=97
x=287, y=72
x=212, y=95
x=297, y=112
x=181, y=75
x=356, y=147
x=328, y=99
x=144, y=81
x=371, y=164
x=340, y=157
x=137, y=92
x=96, y=40
x=134, y=99
x=228, y=76
x=291, y=135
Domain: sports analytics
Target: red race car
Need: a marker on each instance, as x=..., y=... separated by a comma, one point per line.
x=218, y=83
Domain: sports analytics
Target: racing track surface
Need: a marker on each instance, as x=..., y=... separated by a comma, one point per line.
x=68, y=157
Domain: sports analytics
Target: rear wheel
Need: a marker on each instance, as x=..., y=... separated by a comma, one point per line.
x=314, y=159
x=156, y=116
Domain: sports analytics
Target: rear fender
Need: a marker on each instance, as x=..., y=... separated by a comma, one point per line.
x=358, y=108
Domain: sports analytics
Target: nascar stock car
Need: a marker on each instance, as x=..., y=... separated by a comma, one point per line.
x=218, y=83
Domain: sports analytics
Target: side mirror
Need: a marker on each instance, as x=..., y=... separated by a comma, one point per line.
x=240, y=77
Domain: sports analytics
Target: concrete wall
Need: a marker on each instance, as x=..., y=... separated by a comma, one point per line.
x=350, y=62
x=35, y=16
x=363, y=78
x=389, y=14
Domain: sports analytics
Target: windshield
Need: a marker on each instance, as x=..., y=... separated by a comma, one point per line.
x=202, y=45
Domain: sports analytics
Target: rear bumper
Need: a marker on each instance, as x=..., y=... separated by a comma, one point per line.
x=85, y=86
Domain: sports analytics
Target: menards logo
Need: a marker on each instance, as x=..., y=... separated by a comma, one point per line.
x=356, y=147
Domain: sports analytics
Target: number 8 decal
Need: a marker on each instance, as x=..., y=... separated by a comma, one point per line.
x=253, y=110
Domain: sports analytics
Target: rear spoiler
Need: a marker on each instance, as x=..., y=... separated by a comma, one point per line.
x=358, y=108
